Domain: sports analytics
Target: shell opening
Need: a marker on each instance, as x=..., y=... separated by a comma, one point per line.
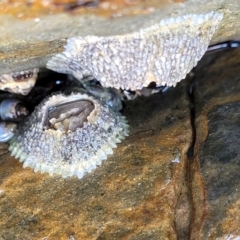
x=69, y=116
x=21, y=76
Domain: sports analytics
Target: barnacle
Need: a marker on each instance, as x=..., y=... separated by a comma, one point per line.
x=7, y=131
x=68, y=135
x=19, y=82
x=163, y=52
x=12, y=110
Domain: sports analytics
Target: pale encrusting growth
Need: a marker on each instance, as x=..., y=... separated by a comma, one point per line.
x=163, y=53
x=68, y=135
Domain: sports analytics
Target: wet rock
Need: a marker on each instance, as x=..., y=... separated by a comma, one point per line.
x=31, y=42
x=132, y=195
x=215, y=169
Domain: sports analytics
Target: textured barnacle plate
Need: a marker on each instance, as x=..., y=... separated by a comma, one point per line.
x=163, y=53
x=19, y=82
x=68, y=135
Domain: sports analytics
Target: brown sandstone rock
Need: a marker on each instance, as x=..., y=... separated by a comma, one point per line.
x=142, y=191
x=215, y=170
x=132, y=195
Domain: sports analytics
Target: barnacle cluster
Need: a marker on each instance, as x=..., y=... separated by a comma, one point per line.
x=68, y=135
x=163, y=53
x=71, y=132
x=12, y=110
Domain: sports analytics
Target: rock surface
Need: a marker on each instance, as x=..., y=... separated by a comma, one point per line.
x=215, y=178
x=132, y=195
x=26, y=44
x=175, y=177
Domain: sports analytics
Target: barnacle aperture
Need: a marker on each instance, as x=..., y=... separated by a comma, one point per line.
x=69, y=116
x=68, y=135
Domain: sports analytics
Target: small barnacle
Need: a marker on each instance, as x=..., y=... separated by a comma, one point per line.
x=68, y=135
x=7, y=131
x=12, y=110
x=19, y=82
x=162, y=53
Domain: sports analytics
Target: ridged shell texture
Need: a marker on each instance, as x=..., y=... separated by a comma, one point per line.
x=163, y=53
x=73, y=152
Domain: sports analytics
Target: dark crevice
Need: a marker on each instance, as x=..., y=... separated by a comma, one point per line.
x=207, y=60
x=185, y=203
x=197, y=73
x=190, y=151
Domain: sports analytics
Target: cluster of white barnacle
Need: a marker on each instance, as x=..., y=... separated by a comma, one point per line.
x=72, y=134
x=13, y=110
